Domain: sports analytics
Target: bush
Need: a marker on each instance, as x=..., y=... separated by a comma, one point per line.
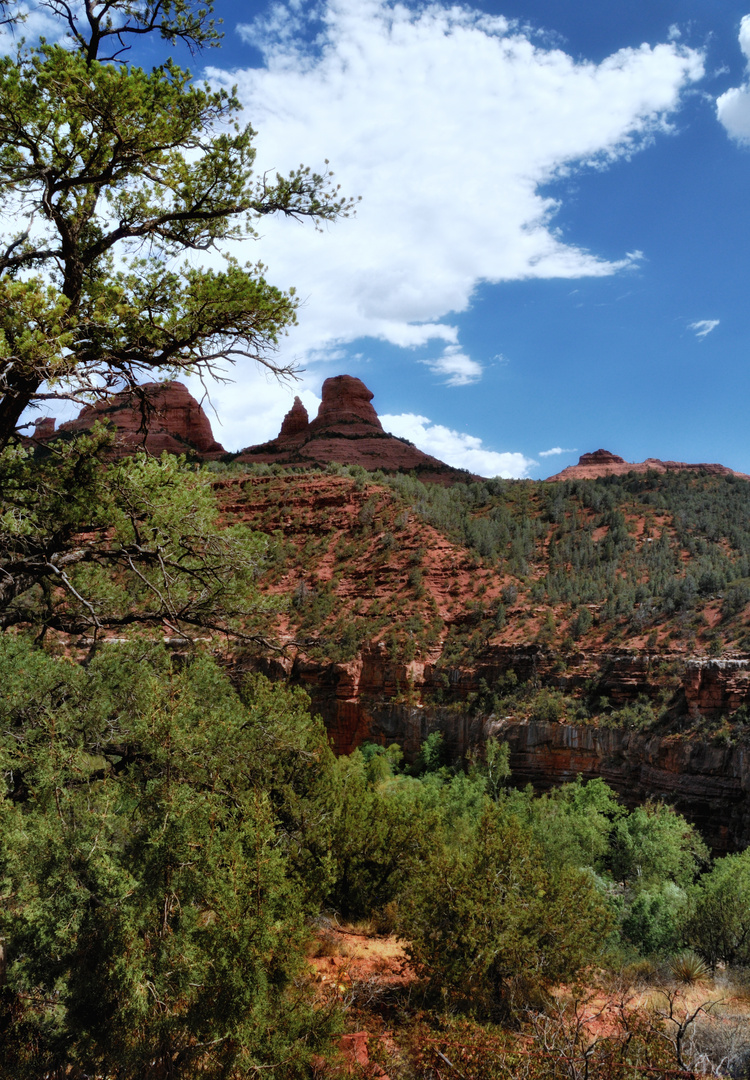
x=491, y=923
x=688, y=967
x=153, y=859
x=656, y=919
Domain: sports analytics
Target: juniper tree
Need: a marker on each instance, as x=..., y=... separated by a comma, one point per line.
x=153, y=869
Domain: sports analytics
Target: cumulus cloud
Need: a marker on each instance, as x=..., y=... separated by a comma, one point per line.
x=34, y=23
x=457, y=448
x=733, y=107
x=703, y=327
x=457, y=368
x=554, y=451
x=447, y=122
x=250, y=411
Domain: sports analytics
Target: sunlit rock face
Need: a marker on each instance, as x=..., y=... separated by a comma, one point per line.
x=605, y=463
x=347, y=430
x=163, y=416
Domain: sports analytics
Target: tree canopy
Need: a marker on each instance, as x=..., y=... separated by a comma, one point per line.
x=118, y=180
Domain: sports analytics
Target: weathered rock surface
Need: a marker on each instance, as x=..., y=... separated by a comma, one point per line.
x=708, y=780
x=347, y=430
x=168, y=418
x=346, y=405
x=295, y=424
x=604, y=463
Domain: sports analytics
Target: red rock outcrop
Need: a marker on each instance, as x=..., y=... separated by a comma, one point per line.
x=707, y=780
x=295, y=424
x=604, y=463
x=347, y=430
x=346, y=403
x=164, y=416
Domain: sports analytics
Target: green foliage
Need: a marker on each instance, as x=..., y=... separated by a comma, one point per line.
x=572, y=824
x=153, y=906
x=109, y=160
x=653, y=844
x=432, y=754
x=688, y=967
x=570, y=542
x=655, y=921
x=86, y=546
x=720, y=925
x=371, y=832
x=497, y=766
x=492, y=924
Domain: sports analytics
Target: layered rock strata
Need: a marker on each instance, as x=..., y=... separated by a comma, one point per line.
x=707, y=781
x=164, y=416
x=373, y=698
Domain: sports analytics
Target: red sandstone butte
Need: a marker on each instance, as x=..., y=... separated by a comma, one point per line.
x=347, y=430
x=175, y=422
x=604, y=463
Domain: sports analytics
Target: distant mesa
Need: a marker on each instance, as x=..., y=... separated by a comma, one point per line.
x=604, y=463
x=176, y=422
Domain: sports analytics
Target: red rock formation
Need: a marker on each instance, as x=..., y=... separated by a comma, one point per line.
x=601, y=457
x=709, y=782
x=294, y=424
x=716, y=687
x=44, y=428
x=706, y=782
x=347, y=430
x=171, y=420
x=604, y=463
x=346, y=402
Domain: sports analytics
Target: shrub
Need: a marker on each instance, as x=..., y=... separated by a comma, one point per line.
x=720, y=925
x=688, y=967
x=490, y=924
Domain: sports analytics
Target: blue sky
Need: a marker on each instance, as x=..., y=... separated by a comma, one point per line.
x=552, y=251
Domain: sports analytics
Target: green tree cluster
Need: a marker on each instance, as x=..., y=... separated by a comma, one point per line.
x=154, y=870
x=167, y=837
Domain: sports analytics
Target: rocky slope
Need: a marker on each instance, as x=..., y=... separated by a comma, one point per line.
x=601, y=629
x=396, y=629
x=604, y=463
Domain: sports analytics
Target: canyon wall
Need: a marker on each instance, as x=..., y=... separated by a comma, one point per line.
x=706, y=778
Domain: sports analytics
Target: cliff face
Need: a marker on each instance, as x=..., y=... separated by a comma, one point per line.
x=347, y=430
x=604, y=463
x=166, y=416
x=708, y=780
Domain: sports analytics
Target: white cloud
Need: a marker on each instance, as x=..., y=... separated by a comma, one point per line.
x=458, y=369
x=36, y=23
x=554, y=451
x=446, y=121
x=250, y=411
x=674, y=33
x=703, y=327
x=457, y=448
x=733, y=107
